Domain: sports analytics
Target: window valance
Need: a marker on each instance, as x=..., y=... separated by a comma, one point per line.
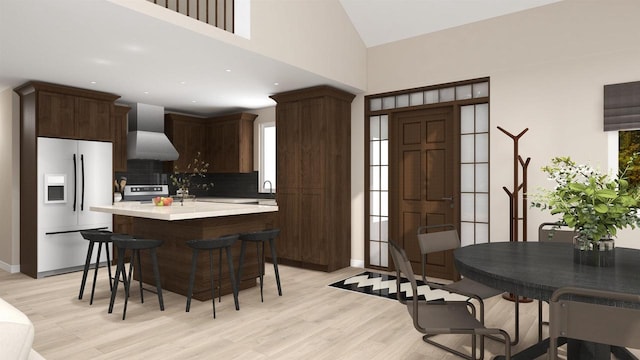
x=622, y=106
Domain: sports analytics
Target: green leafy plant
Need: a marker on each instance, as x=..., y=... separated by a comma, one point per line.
x=596, y=205
x=183, y=181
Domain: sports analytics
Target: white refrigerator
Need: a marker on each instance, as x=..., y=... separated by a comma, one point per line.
x=72, y=176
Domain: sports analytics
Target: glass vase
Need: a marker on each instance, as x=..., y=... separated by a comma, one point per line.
x=594, y=253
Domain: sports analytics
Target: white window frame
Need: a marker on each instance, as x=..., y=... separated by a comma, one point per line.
x=261, y=166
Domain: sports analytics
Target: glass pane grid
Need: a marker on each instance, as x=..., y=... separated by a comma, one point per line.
x=434, y=96
x=474, y=169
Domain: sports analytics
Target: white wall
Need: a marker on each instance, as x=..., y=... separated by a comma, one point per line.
x=316, y=35
x=9, y=181
x=547, y=68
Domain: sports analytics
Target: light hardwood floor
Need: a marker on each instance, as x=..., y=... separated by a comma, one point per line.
x=310, y=321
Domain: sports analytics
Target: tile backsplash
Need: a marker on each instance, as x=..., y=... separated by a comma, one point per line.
x=144, y=172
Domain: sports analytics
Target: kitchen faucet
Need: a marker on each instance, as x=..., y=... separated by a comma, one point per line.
x=270, y=186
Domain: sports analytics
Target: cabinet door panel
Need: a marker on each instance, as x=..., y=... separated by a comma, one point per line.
x=312, y=143
x=188, y=136
x=225, y=147
x=313, y=235
x=56, y=115
x=288, y=243
x=120, y=138
x=93, y=119
x=287, y=145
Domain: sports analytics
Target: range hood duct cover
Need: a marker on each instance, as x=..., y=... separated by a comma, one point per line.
x=146, y=139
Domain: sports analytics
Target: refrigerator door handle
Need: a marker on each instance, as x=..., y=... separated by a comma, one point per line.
x=74, y=182
x=82, y=169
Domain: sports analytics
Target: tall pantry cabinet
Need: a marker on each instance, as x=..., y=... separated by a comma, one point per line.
x=313, y=177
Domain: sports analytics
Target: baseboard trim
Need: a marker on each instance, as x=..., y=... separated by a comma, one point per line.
x=9, y=268
x=357, y=263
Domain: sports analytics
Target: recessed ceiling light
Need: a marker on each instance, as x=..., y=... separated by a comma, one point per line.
x=276, y=84
x=146, y=92
x=193, y=101
x=182, y=82
x=93, y=82
x=227, y=70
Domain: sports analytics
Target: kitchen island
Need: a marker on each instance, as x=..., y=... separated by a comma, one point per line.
x=176, y=224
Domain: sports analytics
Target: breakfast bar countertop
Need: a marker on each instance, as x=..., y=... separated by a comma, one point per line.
x=188, y=210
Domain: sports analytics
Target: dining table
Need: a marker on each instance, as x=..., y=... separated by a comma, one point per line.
x=536, y=269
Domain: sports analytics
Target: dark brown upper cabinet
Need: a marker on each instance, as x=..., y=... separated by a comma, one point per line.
x=230, y=143
x=188, y=136
x=73, y=113
x=120, y=129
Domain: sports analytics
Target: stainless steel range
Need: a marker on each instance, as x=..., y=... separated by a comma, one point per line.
x=144, y=193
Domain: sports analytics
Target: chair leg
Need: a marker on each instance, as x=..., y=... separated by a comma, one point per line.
x=261, y=266
x=539, y=320
x=106, y=248
x=192, y=276
x=86, y=269
x=213, y=288
x=233, y=281
x=553, y=348
x=127, y=284
x=139, y=267
x=274, y=258
x=114, y=289
x=95, y=273
x=242, y=249
x=156, y=274
x=219, y=275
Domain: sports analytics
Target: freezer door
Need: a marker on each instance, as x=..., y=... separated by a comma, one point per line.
x=56, y=157
x=61, y=252
x=95, y=182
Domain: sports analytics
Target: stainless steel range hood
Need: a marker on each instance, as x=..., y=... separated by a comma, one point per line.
x=146, y=139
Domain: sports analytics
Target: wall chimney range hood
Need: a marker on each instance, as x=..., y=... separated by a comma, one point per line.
x=146, y=139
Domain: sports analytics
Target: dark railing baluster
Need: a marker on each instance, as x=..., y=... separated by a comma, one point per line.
x=222, y=17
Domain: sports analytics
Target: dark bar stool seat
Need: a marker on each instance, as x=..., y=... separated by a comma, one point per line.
x=260, y=237
x=124, y=243
x=223, y=242
x=100, y=237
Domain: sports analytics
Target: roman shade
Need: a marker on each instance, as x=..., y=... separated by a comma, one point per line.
x=622, y=106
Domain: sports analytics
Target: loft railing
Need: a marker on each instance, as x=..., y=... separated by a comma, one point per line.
x=218, y=13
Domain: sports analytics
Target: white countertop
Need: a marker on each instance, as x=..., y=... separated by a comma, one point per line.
x=190, y=210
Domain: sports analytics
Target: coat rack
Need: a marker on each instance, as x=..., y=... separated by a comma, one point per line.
x=514, y=200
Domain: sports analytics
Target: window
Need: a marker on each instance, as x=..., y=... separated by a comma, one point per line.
x=267, y=168
x=628, y=146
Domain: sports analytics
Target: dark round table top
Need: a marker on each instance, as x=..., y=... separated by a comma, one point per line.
x=535, y=270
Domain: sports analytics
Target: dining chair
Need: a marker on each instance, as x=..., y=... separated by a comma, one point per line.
x=442, y=316
x=446, y=238
x=552, y=232
x=602, y=322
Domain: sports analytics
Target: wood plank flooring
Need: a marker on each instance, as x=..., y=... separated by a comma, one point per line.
x=310, y=321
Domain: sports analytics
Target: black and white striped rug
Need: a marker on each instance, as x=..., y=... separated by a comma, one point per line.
x=384, y=285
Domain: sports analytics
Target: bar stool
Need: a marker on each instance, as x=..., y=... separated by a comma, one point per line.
x=100, y=237
x=223, y=242
x=135, y=245
x=260, y=237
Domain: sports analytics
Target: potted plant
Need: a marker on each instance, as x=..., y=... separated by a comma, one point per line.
x=184, y=181
x=594, y=204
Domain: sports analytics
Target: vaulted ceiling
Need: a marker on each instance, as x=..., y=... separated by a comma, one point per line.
x=75, y=42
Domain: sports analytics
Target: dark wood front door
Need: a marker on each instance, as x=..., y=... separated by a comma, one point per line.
x=426, y=159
